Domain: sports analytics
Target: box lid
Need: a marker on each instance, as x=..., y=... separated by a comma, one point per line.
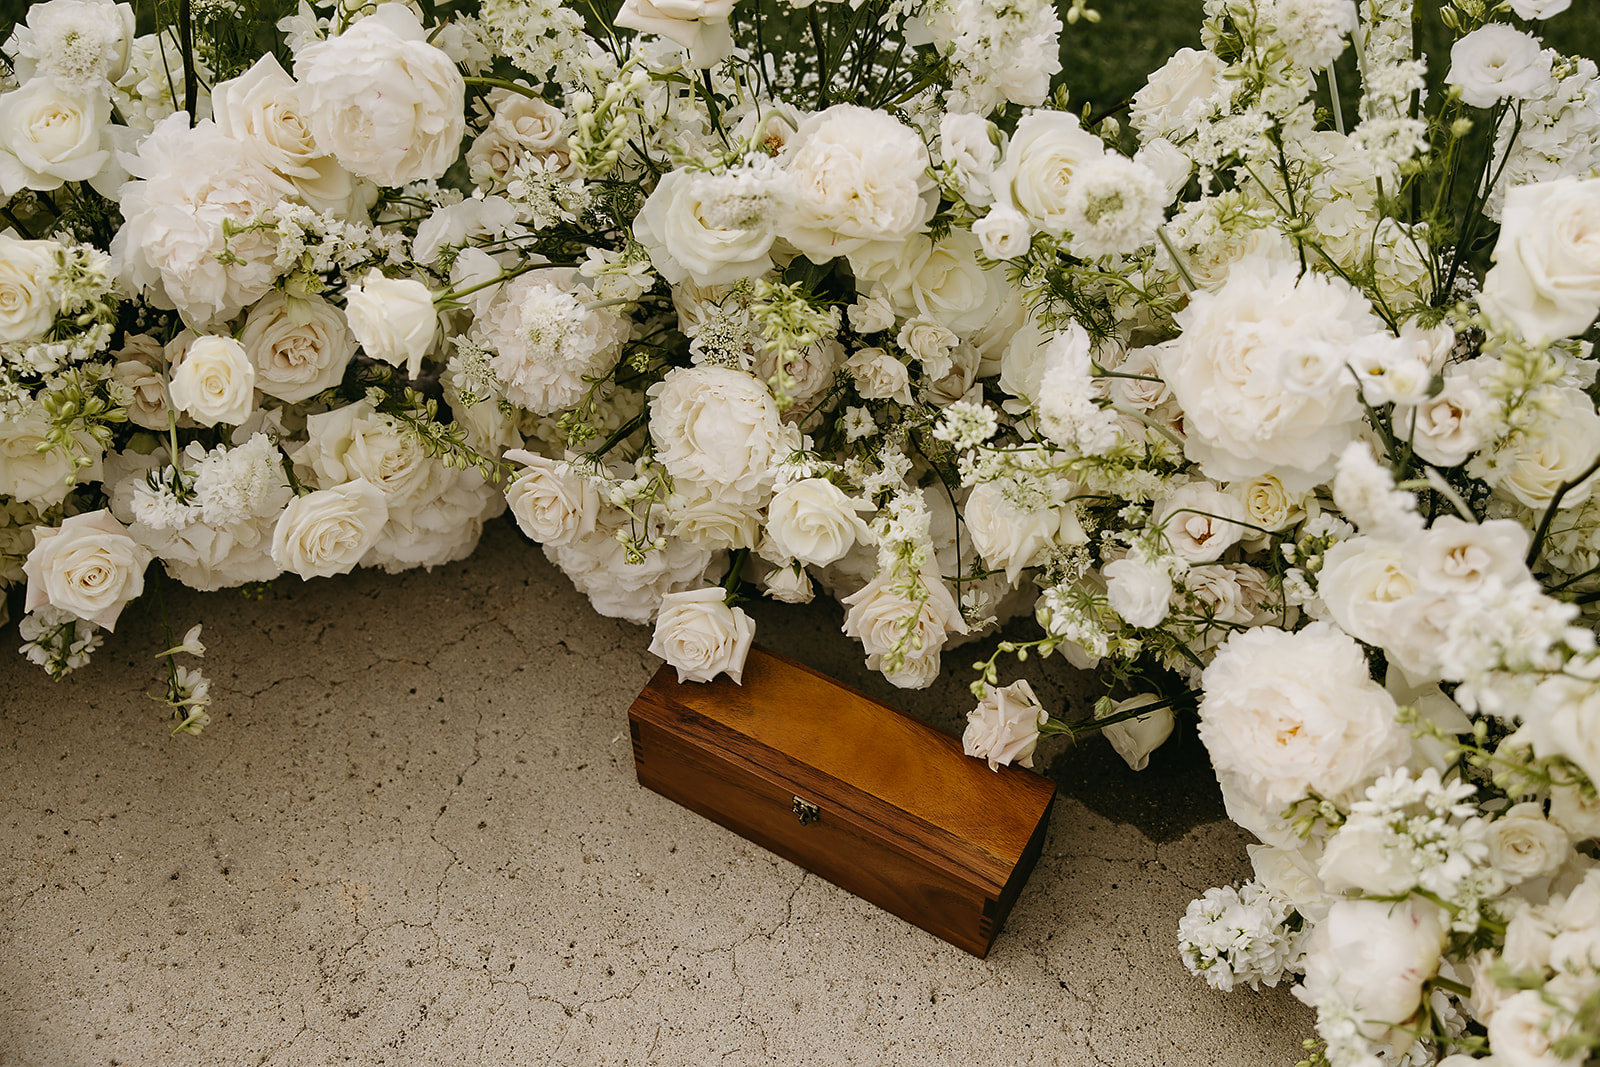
x=852, y=753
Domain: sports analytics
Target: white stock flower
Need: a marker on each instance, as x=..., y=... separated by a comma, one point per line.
x=327, y=532
x=1285, y=715
x=298, y=345
x=1138, y=590
x=1546, y=275
x=88, y=566
x=50, y=136
x=551, y=502
x=814, y=522
x=393, y=319
x=1004, y=727
x=1035, y=176
x=699, y=635
x=1494, y=62
x=215, y=381
x=1134, y=739
x=381, y=100
x=860, y=176
x=1313, y=31
x=27, y=304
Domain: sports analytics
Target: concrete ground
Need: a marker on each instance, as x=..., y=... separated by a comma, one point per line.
x=412, y=835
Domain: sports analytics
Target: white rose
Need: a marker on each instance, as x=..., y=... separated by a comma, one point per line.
x=299, y=346
x=215, y=382
x=1134, y=739
x=49, y=136
x=42, y=478
x=1454, y=556
x=1292, y=874
x=1287, y=714
x=713, y=519
x=1445, y=432
x=88, y=566
x=1564, y=720
x=1004, y=233
x=521, y=127
x=1200, y=521
x=714, y=426
x=1170, y=166
x=1524, y=844
x=355, y=442
x=879, y=376
x=1004, y=727
x=939, y=281
x=881, y=617
x=387, y=104
x=861, y=175
x=1539, y=9
x=1494, y=62
x=1546, y=274
x=147, y=393
x=813, y=521
x=27, y=306
x=700, y=26
x=967, y=142
x=1374, y=596
x=871, y=313
x=789, y=584
x=1524, y=1029
x=930, y=344
x=1575, y=811
x=687, y=227
x=810, y=371
x=1007, y=536
x=1557, y=452
x=701, y=636
x=1369, y=959
x=327, y=532
x=552, y=503
x=1267, y=503
x=393, y=319
x=1035, y=176
x=1362, y=857
x=1173, y=97
x=1137, y=591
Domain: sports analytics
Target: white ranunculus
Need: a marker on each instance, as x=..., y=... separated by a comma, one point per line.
x=1494, y=62
x=1368, y=961
x=384, y=102
x=1546, y=275
x=1138, y=591
x=1446, y=424
x=1454, y=556
x=298, y=345
x=1035, y=175
x=701, y=636
x=1134, y=739
x=879, y=376
x=327, y=532
x=27, y=306
x=700, y=26
x=687, y=226
x=1557, y=452
x=967, y=143
x=1287, y=714
x=1524, y=844
x=393, y=319
x=88, y=566
x=1174, y=97
x=1008, y=537
x=552, y=503
x=1004, y=233
x=813, y=521
x=1200, y=521
x=1260, y=372
x=1004, y=727
x=42, y=478
x=714, y=426
x=49, y=136
x=861, y=175
x=215, y=382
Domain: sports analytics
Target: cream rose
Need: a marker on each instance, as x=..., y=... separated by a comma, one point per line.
x=27, y=307
x=1524, y=844
x=1453, y=556
x=696, y=226
x=882, y=617
x=813, y=521
x=1004, y=727
x=42, y=478
x=298, y=346
x=1546, y=275
x=521, y=127
x=1173, y=97
x=1008, y=537
x=552, y=503
x=714, y=426
x=147, y=393
x=388, y=105
x=1555, y=453
x=714, y=520
x=879, y=376
x=940, y=282
x=1134, y=739
x=701, y=636
x=49, y=136
x=215, y=381
x=393, y=319
x=88, y=565
x=1035, y=175
x=789, y=584
x=1446, y=432
x=327, y=532
x=701, y=26
x=1004, y=233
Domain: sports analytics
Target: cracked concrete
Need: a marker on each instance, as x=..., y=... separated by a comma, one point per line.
x=412, y=835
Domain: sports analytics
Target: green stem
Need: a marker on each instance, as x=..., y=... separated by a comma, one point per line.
x=1550, y=512
x=822, y=55
x=191, y=86
x=731, y=582
x=502, y=83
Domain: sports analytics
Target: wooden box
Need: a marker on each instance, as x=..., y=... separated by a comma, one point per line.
x=828, y=778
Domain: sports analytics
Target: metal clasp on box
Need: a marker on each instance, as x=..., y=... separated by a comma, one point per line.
x=806, y=811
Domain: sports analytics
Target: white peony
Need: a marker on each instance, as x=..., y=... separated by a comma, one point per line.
x=1004, y=727
x=701, y=636
x=814, y=522
x=1494, y=62
x=552, y=502
x=327, y=532
x=384, y=102
x=215, y=381
x=1285, y=715
x=1368, y=960
x=50, y=136
x=298, y=345
x=27, y=304
x=714, y=426
x=393, y=319
x=88, y=566
x=1546, y=275
x=860, y=175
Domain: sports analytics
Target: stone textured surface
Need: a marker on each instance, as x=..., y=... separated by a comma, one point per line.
x=412, y=835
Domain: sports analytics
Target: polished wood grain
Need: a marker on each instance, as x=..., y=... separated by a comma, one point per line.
x=906, y=821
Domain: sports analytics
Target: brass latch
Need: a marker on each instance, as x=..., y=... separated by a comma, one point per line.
x=806, y=811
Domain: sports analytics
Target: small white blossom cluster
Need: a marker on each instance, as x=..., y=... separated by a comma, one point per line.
x=1234, y=937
